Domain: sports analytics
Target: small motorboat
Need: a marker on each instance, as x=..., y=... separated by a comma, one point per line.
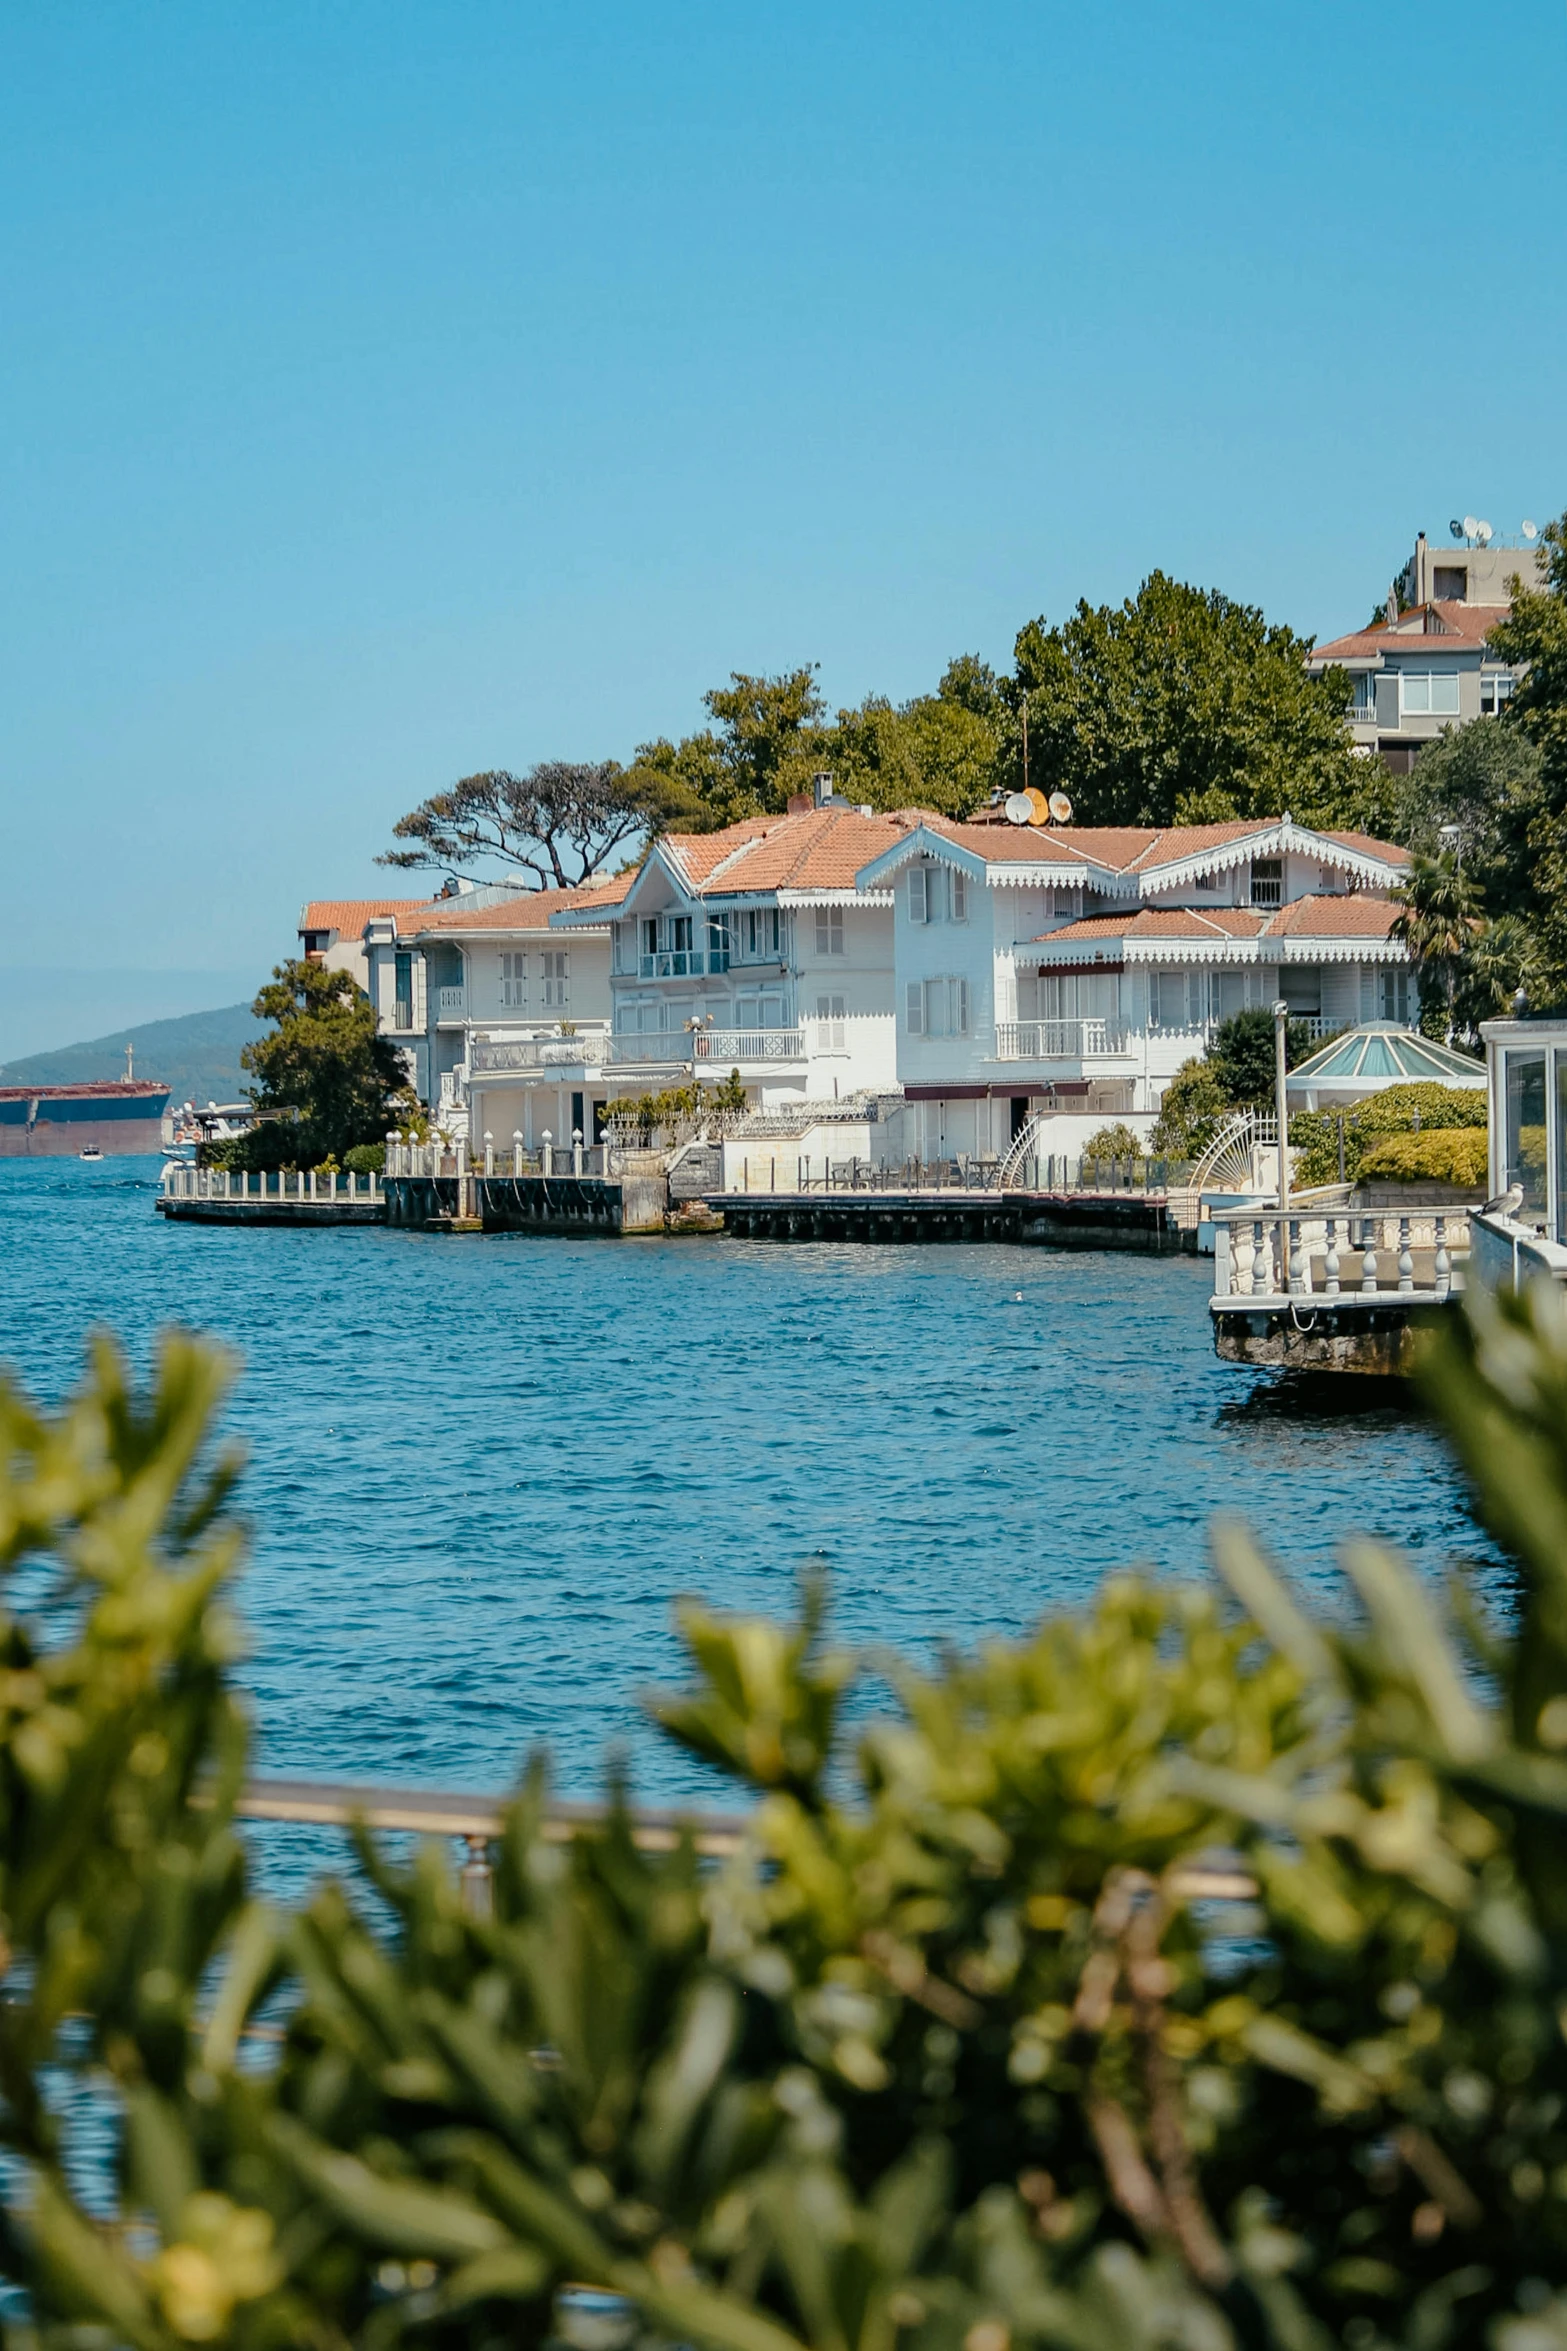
x=92, y=1152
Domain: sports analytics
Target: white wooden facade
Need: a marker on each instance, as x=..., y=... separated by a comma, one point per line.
x=1072, y=970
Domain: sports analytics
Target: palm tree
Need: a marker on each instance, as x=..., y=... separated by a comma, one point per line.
x=1439, y=921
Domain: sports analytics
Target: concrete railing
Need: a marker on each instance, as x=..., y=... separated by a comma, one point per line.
x=1061, y=1040
x=451, y=1003
x=732, y=1047
x=493, y=1056
x=288, y=1183
x=1306, y=1252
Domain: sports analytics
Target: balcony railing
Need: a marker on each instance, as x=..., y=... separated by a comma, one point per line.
x=490, y=1057
x=1362, y=714
x=741, y=1045
x=1059, y=1040
x=682, y=963
x=451, y=1003
x=733, y=1047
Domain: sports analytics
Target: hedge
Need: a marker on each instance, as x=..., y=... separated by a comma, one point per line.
x=1439, y=1155
x=1186, y=1974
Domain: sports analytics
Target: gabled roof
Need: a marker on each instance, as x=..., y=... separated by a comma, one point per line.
x=1326, y=926
x=1424, y=628
x=530, y=910
x=348, y=916
x=1122, y=858
x=811, y=851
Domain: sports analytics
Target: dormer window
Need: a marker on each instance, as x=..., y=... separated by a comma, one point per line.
x=1267, y=881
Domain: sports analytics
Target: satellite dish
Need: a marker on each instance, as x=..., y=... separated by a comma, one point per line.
x=1531, y=530
x=1060, y=808
x=1018, y=808
x=1039, y=806
x=1457, y=529
x=1471, y=527
x=1484, y=533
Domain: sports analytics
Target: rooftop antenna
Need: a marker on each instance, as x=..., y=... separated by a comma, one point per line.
x=1456, y=528
x=1471, y=527
x=1484, y=533
x=1531, y=530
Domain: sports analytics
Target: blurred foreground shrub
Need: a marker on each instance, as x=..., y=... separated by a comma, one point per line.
x=1189, y=1976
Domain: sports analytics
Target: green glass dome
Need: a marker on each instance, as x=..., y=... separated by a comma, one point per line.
x=1377, y=1054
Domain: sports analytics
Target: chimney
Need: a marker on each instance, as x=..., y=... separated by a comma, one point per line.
x=800, y=804
x=821, y=785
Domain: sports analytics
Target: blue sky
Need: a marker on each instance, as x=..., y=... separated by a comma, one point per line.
x=394, y=390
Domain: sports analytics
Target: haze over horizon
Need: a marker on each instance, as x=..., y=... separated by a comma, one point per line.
x=392, y=393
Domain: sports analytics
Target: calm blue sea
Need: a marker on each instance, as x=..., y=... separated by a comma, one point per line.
x=479, y=1469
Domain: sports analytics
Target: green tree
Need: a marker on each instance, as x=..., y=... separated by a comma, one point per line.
x=933, y=752
x=1437, y=920
x=1193, y=1104
x=1242, y=1056
x=768, y=742
x=1180, y=701
x=326, y=1079
x=1535, y=634
x=559, y=824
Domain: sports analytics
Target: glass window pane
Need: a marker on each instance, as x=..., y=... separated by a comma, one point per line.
x=1415, y=694
x=1378, y=1061
x=1444, y=693
x=1526, y=1129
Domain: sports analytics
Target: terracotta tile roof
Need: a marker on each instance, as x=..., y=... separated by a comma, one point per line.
x=1353, y=914
x=530, y=910
x=1369, y=846
x=814, y=849
x=1356, y=915
x=698, y=853
x=822, y=850
x=1160, y=922
x=1460, y=629
x=348, y=916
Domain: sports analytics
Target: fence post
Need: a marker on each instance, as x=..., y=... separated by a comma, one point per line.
x=1406, y=1261
x=1442, y=1272
x=1330, y=1261
x=576, y=1151
x=489, y=1152
x=516, y=1151
x=547, y=1153
x=1368, y=1262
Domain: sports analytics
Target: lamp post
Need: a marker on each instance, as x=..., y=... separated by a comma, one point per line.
x=1281, y=1015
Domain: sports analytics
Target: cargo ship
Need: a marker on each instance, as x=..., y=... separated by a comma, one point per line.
x=115, y=1116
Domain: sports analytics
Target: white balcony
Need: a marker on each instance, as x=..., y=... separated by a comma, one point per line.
x=749, y=1045
x=730, y=1048
x=1061, y=1040
x=451, y=1003
x=496, y=1056
x=682, y=963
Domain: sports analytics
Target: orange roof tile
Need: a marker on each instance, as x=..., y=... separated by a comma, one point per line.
x=1356, y=915
x=1369, y=846
x=1459, y=629
x=812, y=849
x=349, y=915
x=530, y=910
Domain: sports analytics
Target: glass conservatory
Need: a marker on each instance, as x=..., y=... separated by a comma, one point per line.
x=1526, y=1062
x=1364, y=1060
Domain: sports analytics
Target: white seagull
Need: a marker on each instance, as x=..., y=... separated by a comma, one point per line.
x=1506, y=1203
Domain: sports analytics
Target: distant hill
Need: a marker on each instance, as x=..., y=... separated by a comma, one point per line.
x=196, y=1057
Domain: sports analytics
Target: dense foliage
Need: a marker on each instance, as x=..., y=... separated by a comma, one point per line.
x=1186, y=1976
x=1181, y=706
x=553, y=828
x=1485, y=809
x=1420, y=1108
x=1191, y=1110
x=326, y=1079
x=1437, y=1155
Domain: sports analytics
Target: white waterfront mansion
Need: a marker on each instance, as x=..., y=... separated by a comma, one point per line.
x=749, y=949
x=752, y=949
x=1074, y=969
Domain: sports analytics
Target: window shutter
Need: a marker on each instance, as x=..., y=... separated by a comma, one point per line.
x=959, y=896
x=919, y=896
x=835, y=930
x=823, y=931
x=915, y=1002
x=960, y=1008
